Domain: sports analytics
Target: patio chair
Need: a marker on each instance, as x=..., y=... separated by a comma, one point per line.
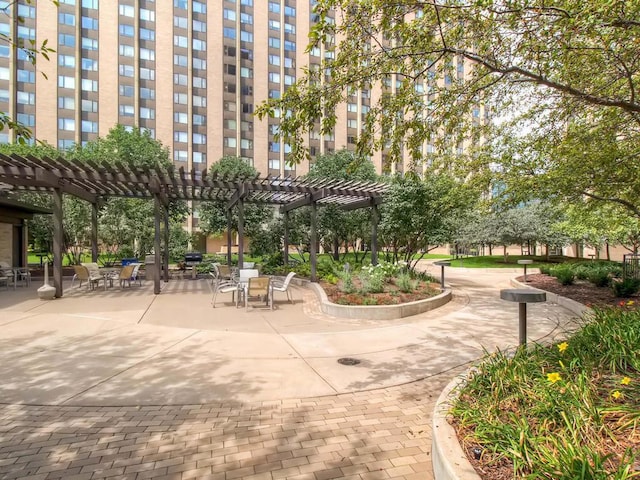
x=282, y=286
x=126, y=275
x=223, y=286
x=258, y=287
x=6, y=274
x=135, y=275
x=224, y=272
x=83, y=274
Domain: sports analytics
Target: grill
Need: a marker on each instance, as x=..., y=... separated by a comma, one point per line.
x=192, y=259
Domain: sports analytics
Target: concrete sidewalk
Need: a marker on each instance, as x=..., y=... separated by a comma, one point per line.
x=126, y=384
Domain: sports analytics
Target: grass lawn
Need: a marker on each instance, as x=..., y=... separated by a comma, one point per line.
x=497, y=261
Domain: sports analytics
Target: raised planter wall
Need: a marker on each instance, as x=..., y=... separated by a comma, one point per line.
x=378, y=312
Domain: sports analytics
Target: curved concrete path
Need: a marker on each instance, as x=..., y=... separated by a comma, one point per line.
x=132, y=382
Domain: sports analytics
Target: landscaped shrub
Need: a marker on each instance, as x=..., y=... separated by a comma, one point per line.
x=600, y=277
x=372, y=282
x=564, y=411
x=405, y=283
x=627, y=287
x=564, y=274
x=346, y=282
x=545, y=269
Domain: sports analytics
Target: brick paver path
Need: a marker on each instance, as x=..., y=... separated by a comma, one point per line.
x=380, y=434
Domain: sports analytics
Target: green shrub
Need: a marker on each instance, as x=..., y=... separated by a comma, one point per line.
x=372, y=282
x=626, y=287
x=599, y=277
x=564, y=274
x=369, y=301
x=405, y=283
x=545, y=269
x=346, y=282
x=582, y=272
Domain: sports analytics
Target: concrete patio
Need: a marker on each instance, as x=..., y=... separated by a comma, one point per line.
x=128, y=384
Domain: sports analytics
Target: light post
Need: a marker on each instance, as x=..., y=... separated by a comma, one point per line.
x=523, y=296
x=442, y=264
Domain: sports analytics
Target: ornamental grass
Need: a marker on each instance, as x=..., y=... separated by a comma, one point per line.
x=570, y=410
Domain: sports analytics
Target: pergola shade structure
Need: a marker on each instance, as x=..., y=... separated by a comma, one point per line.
x=95, y=182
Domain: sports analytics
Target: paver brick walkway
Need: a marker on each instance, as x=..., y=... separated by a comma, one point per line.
x=380, y=434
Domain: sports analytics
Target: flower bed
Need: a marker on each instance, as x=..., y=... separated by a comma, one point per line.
x=392, y=294
x=570, y=410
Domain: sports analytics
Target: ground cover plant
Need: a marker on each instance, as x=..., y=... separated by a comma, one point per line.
x=570, y=410
x=498, y=261
x=382, y=284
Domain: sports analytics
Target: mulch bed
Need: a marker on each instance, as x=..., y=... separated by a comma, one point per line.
x=581, y=291
x=391, y=296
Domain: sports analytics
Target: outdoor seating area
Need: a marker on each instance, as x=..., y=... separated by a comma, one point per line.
x=92, y=275
x=14, y=276
x=247, y=284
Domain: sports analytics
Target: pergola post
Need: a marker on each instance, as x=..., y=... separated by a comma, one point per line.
x=240, y=233
x=375, y=219
x=285, y=240
x=229, y=234
x=94, y=232
x=166, y=244
x=57, y=241
x=157, y=211
x=314, y=241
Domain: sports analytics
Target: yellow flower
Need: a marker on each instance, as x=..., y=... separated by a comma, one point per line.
x=553, y=377
x=616, y=394
x=625, y=381
x=630, y=302
x=563, y=346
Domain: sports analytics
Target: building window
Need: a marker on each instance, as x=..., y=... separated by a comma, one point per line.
x=199, y=119
x=90, y=4
x=199, y=64
x=67, y=40
x=246, y=18
x=126, y=30
x=146, y=34
x=67, y=61
x=147, y=74
x=126, y=50
x=199, y=26
x=126, y=110
x=230, y=142
x=89, y=85
x=274, y=7
x=89, y=23
x=180, y=41
x=274, y=77
x=181, y=4
x=89, y=43
x=180, y=98
x=65, y=144
x=180, y=22
x=229, y=123
x=274, y=42
x=26, y=98
x=147, y=54
x=126, y=90
x=180, y=117
x=274, y=60
x=199, y=157
x=89, y=127
x=26, y=119
x=199, y=45
x=179, y=136
x=246, y=72
x=229, y=14
x=180, y=60
x=180, y=155
x=126, y=70
x=199, y=101
x=246, y=144
x=147, y=113
x=199, y=82
x=199, y=7
x=67, y=19
x=274, y=25
x=148, y=15
x=66, y=81
x=180, y=79
x=147, y=93
x=89, y=65
x=229, y=32
x=199, y=139
x=68, y=124
x=89, y=106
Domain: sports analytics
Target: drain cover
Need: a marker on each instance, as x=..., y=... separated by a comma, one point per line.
x=348, y=361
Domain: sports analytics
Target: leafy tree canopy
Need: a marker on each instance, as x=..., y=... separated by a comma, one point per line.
x=566, y=56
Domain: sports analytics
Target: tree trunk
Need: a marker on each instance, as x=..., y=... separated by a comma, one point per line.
x=490, y=249
x=546, y=252
x=608, y=251
x=336, y=249
x=506, y=254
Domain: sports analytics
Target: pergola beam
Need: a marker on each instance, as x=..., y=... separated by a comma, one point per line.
x=313, y=198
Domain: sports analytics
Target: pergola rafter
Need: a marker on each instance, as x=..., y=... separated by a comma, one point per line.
x=94, y=182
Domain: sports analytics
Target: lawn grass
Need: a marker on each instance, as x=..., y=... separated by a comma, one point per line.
x=497, y=261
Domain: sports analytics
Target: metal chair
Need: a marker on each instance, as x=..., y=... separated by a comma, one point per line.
x=218, y=285
x=279, y=286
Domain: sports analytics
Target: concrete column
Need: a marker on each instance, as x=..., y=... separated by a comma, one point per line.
x=166, y=244
x=375, y=219
x=157, y=211
x=229, y=239
x=285, y=252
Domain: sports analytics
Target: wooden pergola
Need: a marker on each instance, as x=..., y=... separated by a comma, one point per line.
x=95, y=182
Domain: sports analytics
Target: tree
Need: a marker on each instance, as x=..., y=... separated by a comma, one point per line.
x=418, y=215
x=126, y=225
x=569, y=71
x=337, y=227
x=213, y=213
x=32, y=51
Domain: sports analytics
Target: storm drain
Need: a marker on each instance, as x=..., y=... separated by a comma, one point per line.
x=348, y=361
